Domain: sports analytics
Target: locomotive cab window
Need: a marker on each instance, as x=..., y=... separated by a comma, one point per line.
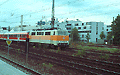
x=47, y=33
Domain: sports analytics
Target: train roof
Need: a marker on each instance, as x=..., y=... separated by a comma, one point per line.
x=15, y=32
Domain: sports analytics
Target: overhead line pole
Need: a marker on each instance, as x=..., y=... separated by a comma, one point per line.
x=21, y=22
x=52, y=26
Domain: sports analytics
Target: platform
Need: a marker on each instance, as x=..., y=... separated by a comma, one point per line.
x=6, y=69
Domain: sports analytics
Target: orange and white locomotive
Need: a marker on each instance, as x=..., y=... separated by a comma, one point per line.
x=51, y=37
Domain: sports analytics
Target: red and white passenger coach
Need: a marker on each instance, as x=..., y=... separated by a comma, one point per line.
x=51, y=37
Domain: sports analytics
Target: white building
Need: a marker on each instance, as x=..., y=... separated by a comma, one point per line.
x=93, y=28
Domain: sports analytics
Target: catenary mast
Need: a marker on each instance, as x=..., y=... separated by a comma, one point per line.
x=52, y=23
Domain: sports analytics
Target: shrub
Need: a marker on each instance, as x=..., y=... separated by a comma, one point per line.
x=90, y=43
x=33, y=46
x=57, y=51
x=50, y=65
x=43, y=64
x=79, y=47
x=85, y=48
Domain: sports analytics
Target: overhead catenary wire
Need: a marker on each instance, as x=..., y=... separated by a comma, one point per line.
x=4, y=2
x=39, y=10
x=67, y=13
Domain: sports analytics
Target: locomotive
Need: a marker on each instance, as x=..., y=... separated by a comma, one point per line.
x=54, y=37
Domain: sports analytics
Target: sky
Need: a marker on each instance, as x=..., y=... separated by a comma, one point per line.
x=36, y=10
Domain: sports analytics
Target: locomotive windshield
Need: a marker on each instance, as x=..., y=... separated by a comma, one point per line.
x=63, y=33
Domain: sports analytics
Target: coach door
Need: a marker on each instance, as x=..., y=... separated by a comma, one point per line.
x=51, y=38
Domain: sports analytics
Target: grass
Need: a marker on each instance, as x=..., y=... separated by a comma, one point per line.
x=42, y=46
x=18, y=51
x=112, y=50
x=81, y=53
x=104, y=56
x=49, y=65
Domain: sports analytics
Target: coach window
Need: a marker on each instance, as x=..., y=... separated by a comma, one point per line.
x=15, y=35
x=5, y=36
x=18, y=35
x=38, y=33
x=47, y=33
x=42, y=33
x=23, y=35
x=33, y=33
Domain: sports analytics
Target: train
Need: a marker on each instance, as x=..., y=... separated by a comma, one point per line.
x=53, y=38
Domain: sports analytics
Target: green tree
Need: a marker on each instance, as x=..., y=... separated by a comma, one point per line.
x=116, y=30
x=102, y=35
x=87, y=37
x=109, y=35
x=74, y=34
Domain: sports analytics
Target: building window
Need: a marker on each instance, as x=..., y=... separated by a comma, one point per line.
x=96, y=39
x=84, y=31
x=84, y=27
x=79, y=27
x=96, y=32
x=68, y=24
x=68, y=28
x=76, y=24
x=102, y=28
x=97, y=23
x=96, y=28
x=90, y=27
x=82, y=36
x=82, y=24
x=69, y=31
x=108, y=32
x=107, y=29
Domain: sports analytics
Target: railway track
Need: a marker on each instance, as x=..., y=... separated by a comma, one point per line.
x=112, y=56
x=75, y=64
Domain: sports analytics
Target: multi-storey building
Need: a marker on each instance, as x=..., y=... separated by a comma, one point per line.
x=93, y=28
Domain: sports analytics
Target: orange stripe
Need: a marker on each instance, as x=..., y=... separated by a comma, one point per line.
x=59, y=38
x=50, y=37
